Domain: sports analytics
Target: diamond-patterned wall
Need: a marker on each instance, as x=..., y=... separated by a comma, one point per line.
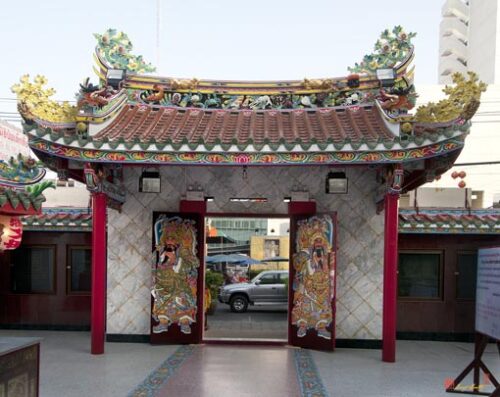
x=360, y=236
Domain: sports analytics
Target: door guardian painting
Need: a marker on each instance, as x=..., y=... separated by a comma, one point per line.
x=175, y=274
x=313, y=283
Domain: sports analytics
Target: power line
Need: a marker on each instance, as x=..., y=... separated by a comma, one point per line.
x=4, y=99
x=476, y=163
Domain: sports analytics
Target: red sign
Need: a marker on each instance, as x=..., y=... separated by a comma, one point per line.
x=11, y=232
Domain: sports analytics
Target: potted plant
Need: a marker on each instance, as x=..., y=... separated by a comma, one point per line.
x=213, y=281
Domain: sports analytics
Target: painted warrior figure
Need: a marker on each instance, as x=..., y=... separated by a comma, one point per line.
x=175, y=275
x=313, y=281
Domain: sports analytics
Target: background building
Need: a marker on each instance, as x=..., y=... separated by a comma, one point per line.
x=469, y=39
x=45, y=283
x=440, y=232
x=12, y=141
x=240, y=229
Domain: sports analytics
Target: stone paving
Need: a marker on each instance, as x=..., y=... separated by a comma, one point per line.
x=422, y=368
x=259, y=322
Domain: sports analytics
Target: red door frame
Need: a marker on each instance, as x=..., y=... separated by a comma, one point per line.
x=194, y=210
x=300, y=211
x=199, y=208
x=250, y=215
x=296, y=211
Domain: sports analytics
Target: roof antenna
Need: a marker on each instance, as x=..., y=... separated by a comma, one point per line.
x=158, y=30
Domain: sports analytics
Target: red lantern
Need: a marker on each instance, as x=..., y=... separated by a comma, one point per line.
x=462, y=174
x=454, y=174
x=461, y=184
x=11, y=230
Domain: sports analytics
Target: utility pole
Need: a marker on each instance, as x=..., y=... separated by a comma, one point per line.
x=158, y=30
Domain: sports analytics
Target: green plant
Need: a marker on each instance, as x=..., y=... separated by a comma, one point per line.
x=213, y=281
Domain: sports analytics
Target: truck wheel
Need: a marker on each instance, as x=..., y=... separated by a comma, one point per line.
x=239, y=304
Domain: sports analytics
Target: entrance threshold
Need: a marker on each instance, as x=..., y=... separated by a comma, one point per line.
x=245, y=341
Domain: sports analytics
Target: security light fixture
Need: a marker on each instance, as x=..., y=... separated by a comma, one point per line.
x=114, y=77
x=150, y=182
x=336, y=183
x=386, y=77
x=248, y=199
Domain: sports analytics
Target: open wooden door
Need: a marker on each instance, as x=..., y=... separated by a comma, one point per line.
x=177, y=285
x=312, y=282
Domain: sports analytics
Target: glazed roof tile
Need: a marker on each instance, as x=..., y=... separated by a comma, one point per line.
x=452, y=221
x=19, y=202
x=60, y=219
x=176, y=125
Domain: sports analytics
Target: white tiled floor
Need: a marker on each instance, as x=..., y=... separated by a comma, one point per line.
x=420, y=370
x=68, y=369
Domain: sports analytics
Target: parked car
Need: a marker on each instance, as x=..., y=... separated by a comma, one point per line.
x=268, y=287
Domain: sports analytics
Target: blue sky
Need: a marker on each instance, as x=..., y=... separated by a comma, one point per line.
x=260, y=39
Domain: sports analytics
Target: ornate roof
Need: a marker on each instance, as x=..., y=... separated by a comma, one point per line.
x=20, y=171
x=20, y=194
x=60, y=219
x=359, y=118
x=19, y=202
x=449, y=221
x=209, y=127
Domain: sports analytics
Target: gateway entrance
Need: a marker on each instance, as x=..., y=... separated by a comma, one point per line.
x=179, y=298
x=247, y=279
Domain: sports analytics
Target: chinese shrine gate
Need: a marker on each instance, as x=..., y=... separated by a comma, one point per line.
x=152, y=149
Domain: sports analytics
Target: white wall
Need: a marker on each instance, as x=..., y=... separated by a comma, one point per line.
x=67, y=196
x=483, y=54
x=360, y=237
x=277, y=227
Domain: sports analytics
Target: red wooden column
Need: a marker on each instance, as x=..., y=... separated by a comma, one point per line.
x=198, y=207
x=390, y=277
x=98, y=299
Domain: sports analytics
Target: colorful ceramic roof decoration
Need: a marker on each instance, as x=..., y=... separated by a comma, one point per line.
x=60, y=219
x=132, y=117
x=449, y=221
x=20, y=195
x=20, y=186
x=19, y=202
x=20, y=171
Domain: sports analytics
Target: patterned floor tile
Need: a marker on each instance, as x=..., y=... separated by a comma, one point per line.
x=310, y=381
x=163, y=373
